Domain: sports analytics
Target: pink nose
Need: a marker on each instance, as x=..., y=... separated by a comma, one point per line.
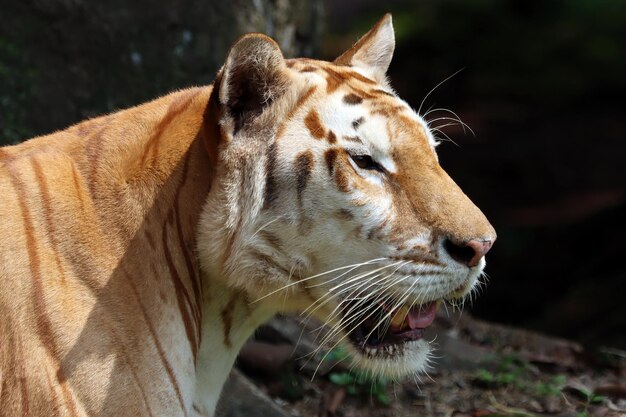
x=468, y=253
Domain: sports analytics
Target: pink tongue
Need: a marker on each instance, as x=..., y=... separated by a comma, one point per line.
x=422, y=316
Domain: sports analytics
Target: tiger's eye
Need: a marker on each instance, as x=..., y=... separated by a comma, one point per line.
x=366, y=162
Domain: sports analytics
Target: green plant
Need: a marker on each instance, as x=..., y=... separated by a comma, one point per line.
x=515, y=371
x=552, y=388
x=511, y=370
x=590, y=399
x=357, y=383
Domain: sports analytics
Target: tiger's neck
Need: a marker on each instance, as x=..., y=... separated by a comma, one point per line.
x=228, y=321
x=167, y=180
x=217, y=319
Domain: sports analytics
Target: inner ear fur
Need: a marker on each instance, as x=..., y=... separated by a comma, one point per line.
x=252, y=77
x=373, y=52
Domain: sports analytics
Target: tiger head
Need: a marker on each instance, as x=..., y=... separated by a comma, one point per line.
x=329, y=199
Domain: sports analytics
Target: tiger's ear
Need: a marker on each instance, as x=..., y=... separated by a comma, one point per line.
x=373, y=52
x=252, y=77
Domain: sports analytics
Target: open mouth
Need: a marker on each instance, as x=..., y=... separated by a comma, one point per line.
x=384, y=330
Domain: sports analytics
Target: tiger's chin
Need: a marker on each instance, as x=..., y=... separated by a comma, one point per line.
x=407, y=358
x=391, y=343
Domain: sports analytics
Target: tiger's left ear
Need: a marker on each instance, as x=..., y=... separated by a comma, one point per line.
x=373, y=51
x=252, y=78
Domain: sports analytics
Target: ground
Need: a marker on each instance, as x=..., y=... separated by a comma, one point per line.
x=481, y=370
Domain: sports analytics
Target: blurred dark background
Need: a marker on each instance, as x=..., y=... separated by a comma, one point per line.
x=542, y=86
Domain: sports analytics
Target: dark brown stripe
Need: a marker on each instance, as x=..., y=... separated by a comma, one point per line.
x=309, y=68
x=331, y=157
x=119, y=343
x=48, y=216
x=331, y=137
x=182, y=296
x=157, y=343
x=197, y=410
x=41, y=315
x=303, y=167
x=230, y=244
x=352, y=99
x=341, y=178
x=313, y=122
x=342, y=181
x=184, y=248
x=227, y=317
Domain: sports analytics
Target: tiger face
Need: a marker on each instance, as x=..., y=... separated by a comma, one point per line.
x=330, y=200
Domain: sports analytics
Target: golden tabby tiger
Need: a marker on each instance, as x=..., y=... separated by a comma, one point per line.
x=139, y=250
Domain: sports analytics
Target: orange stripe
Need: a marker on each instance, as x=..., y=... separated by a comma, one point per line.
x=299, y=103
x=157, y=343
x=43, y=324
x=48, y=215
x=78, y=187
x=93, y=148
x=176, y=107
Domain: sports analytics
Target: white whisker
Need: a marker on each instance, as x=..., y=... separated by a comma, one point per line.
x=435, y=87
x=291, y=284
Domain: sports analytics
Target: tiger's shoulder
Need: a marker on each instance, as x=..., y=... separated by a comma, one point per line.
x=76, y=177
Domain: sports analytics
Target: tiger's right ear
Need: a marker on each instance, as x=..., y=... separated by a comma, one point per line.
x=252, y=78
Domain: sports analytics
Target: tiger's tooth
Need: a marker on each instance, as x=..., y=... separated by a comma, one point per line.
x=398, y=317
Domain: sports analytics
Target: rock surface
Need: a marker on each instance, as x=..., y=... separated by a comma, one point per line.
x=241, y=398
